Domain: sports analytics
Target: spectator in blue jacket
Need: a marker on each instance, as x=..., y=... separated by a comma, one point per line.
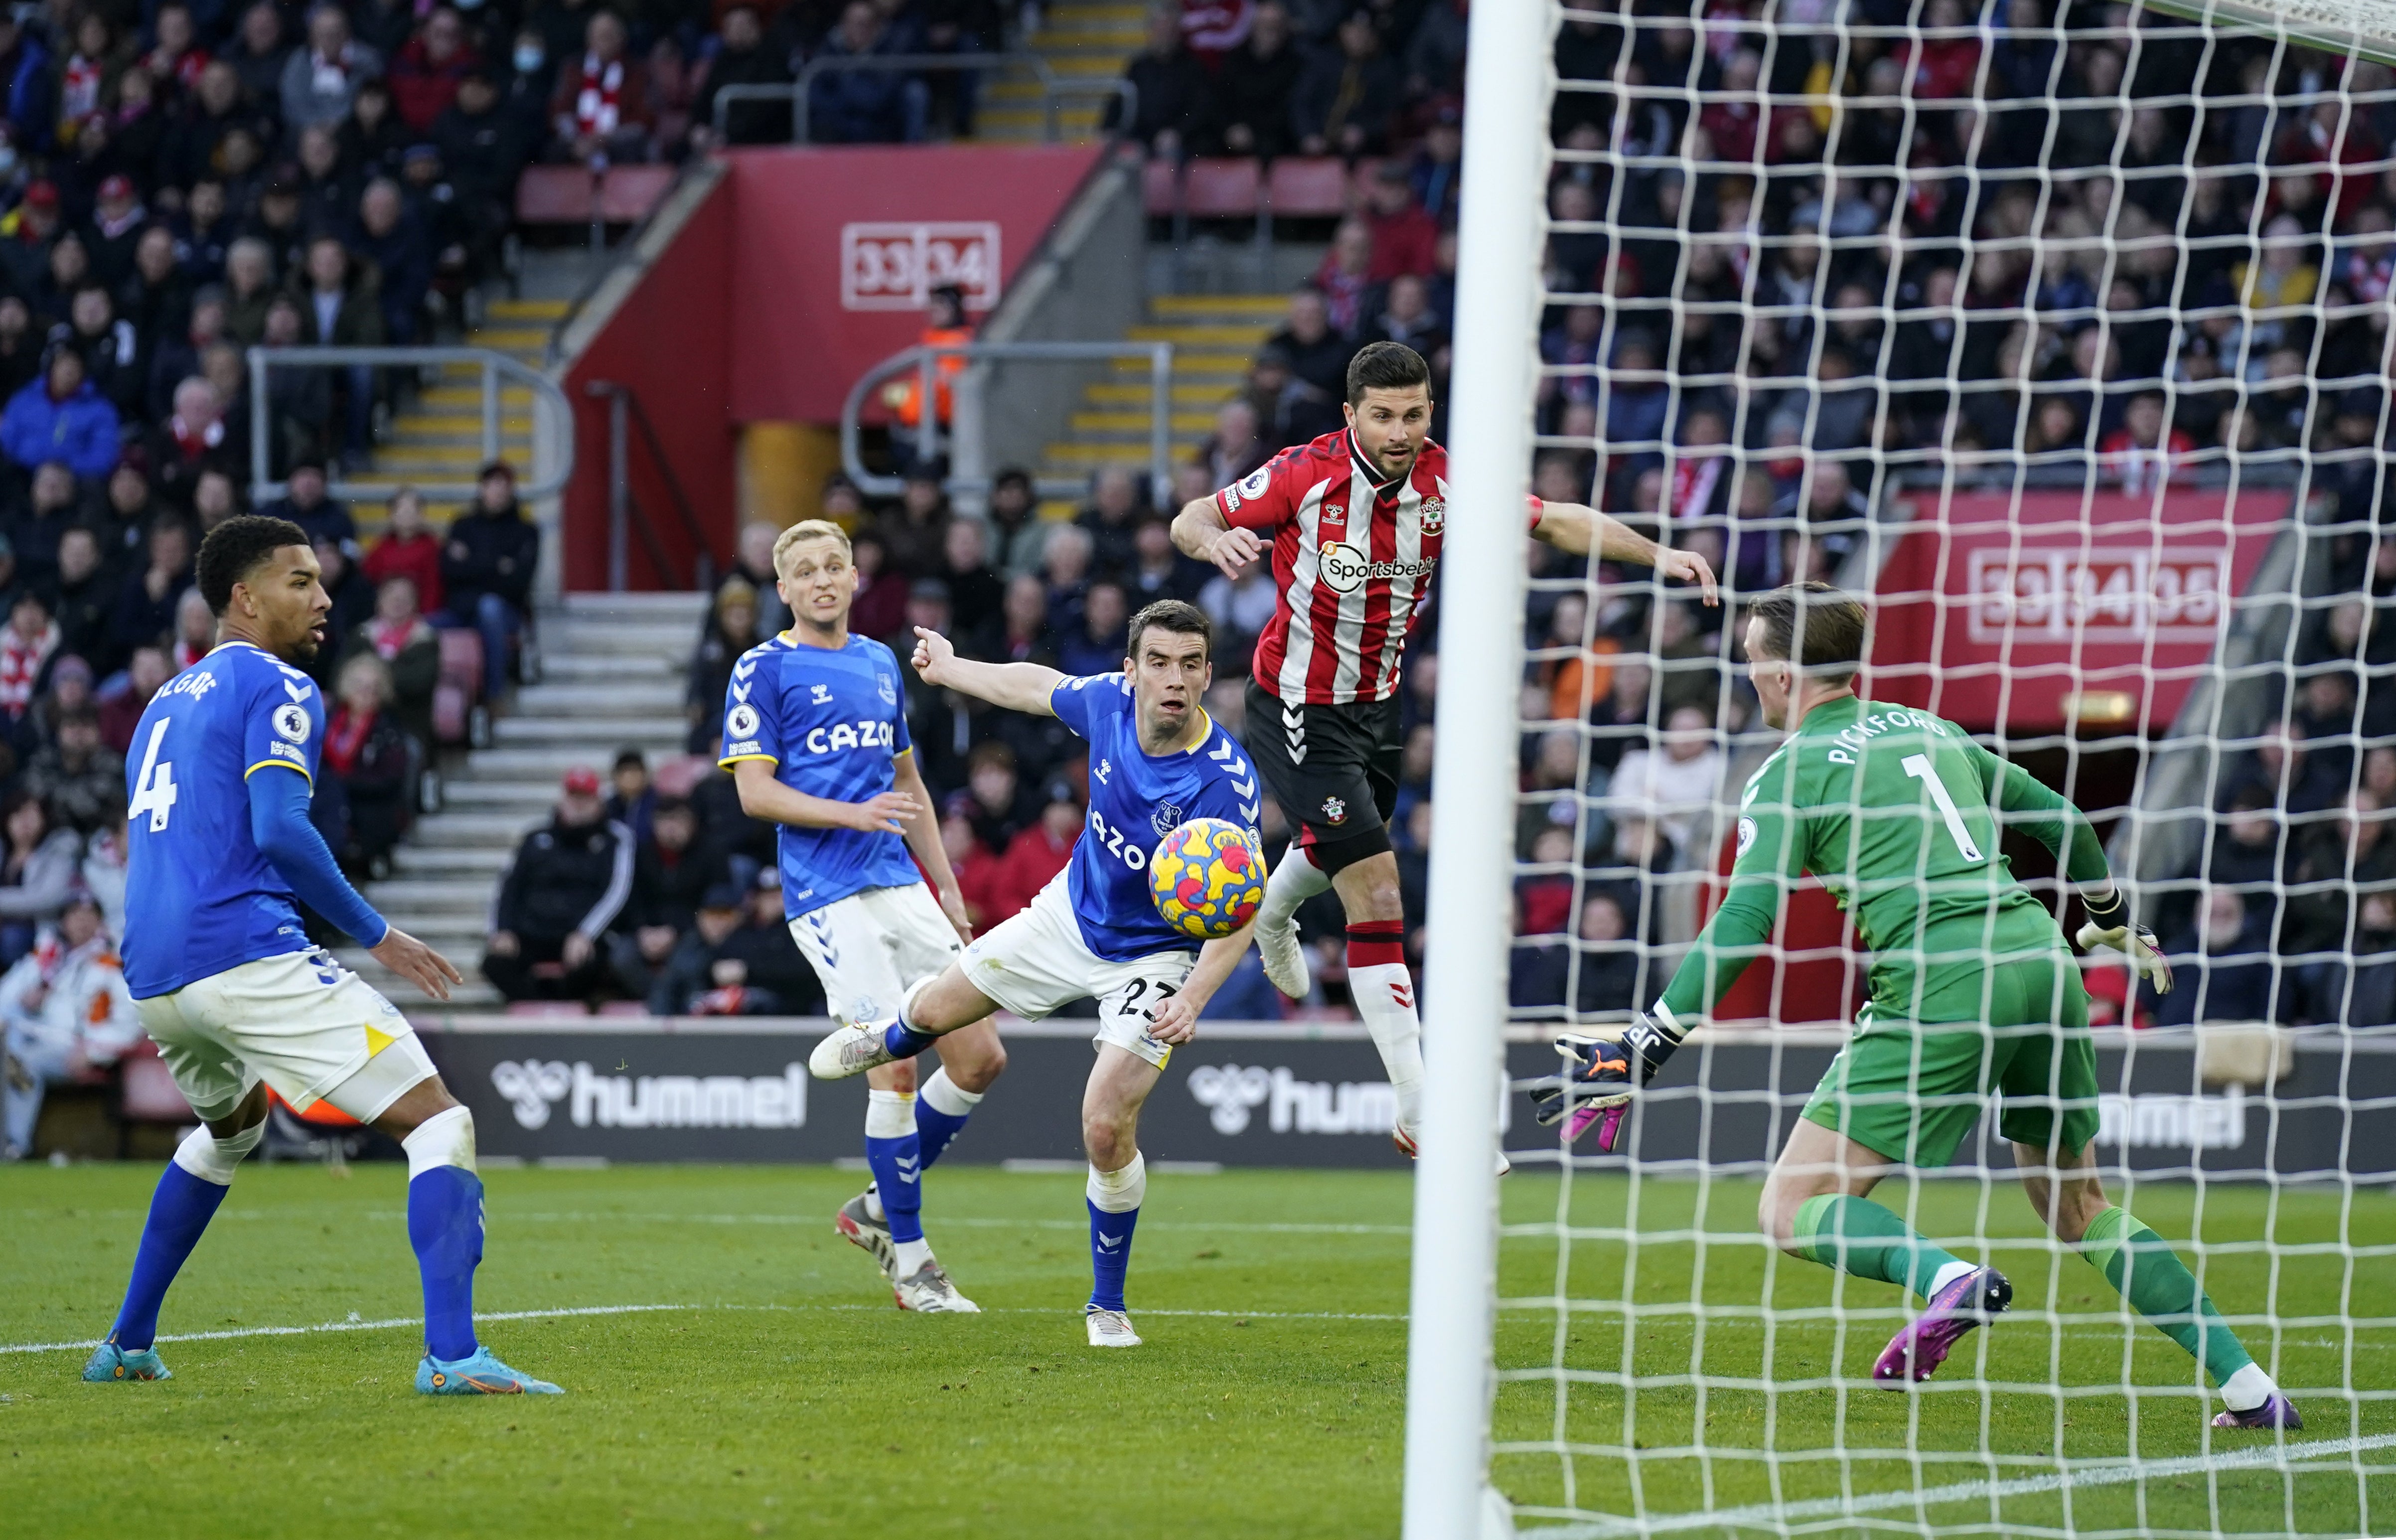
x=25, y=75
x=59, y=417
x=864, y=106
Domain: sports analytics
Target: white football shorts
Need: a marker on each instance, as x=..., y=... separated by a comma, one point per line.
x=1036, y=962
x=308, y=1026
x=868, y=948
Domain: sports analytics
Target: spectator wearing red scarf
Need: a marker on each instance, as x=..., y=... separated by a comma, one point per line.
x=409, y=550
x=367, y=754
x=602, y=102
x=1036, y=855
x=399, y=635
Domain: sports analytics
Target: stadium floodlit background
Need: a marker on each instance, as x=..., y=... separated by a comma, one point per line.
x=2060, y=329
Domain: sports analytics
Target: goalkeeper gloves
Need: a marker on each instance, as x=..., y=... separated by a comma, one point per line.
x=1600, y=1076
x=2109, y=925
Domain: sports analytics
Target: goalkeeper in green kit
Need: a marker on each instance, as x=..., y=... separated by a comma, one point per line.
x=1973, y=992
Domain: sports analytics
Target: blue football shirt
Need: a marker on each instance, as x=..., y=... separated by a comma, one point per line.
x=832, y=724
x=1136, y=801
x=199, y=898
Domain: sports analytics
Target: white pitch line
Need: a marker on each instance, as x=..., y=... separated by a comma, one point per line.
x=1963, y=1491
x=648, y=1309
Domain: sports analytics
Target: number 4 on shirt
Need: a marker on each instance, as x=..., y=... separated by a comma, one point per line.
x=154, y=792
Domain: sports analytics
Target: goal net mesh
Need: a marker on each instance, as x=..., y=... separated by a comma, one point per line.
x=2062, y=331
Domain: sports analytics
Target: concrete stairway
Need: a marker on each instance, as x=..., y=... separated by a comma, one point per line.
x=1215, y=337
x=439, y=437
x=613, y=669
x=1081, y=42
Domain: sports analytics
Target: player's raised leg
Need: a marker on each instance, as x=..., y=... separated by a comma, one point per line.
x=1119, y=1085
x=971, y=1059
x=1380, y=984
x=2070, y=1196
x=188, y=1196
x=1295, y=880
x=929, y=1010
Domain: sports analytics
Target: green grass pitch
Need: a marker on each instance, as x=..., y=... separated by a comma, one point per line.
x=780, y=1395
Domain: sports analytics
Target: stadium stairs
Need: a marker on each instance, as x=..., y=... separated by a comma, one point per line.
x=612, y=677
x=1214, y=336
x=1081, y=43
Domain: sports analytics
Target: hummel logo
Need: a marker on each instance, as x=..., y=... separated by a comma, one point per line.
x=822, y=693
x=907, y=1172
x=743, y=669
x=1294, y=725
x=1110, y=1243
x=297, y=692
x=741, y=692
x=1404, y=995
x=1106, y=768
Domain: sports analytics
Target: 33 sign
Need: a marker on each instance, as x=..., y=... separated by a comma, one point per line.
x=2099, y=594
x=896, y=265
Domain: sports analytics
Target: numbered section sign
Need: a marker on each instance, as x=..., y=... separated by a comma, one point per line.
x=896, y=264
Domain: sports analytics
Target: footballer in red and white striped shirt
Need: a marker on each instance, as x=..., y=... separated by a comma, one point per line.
x=1354, y=521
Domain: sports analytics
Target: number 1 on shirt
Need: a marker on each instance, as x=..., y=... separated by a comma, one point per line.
x=1918, y=766
x=154, y=792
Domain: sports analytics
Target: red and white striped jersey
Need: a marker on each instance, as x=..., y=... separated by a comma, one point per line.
x=1353, y=556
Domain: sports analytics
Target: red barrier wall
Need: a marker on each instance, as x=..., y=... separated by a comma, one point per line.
x=670, y=340
x=2012, y=610
x=803, y=268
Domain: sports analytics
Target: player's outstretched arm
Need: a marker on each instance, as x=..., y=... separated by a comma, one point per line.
x=1574, y=528
x=1201, y=532
x=279, y=825
x=1176, y=1019
x=1024, y=687
x=764, y=797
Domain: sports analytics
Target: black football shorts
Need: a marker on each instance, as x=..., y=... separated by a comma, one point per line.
x=1333, y=768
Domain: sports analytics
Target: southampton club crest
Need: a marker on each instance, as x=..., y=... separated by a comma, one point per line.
x=1434, y=514
x=1335, y=810
x=1165, y=820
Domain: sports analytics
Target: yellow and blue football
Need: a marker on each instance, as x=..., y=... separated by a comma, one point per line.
x=1207, y=878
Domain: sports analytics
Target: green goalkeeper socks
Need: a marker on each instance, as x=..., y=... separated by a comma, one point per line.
x=1858, y=1236
x=2143, y=1270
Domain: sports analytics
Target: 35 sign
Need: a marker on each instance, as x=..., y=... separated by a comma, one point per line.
x=896, y=265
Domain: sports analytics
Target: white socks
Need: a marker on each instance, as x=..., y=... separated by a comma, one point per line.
x=213, y=1160
x=944, y=1094
x=1119, y=1191
x=2247, y=1389
x=445, y=1139
x=889, y=1114
x=1947, y=1275
x=912, y=1254
x=1295, y=881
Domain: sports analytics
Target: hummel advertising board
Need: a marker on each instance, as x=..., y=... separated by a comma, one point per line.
x=1314, y=1096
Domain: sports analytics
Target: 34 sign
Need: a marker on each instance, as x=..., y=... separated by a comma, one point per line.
x=896, y=265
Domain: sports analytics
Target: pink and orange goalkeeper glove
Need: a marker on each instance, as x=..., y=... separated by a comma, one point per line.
x=1600, y=1076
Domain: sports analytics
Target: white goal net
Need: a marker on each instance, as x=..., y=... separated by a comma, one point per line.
x=2059, y=333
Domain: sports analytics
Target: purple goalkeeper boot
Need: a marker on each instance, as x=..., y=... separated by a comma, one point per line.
x=2277, y=1412
x=1915, y=1353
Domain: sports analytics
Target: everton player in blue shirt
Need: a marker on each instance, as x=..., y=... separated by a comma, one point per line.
x=227, y=983
x=815, y=734
x=1156, y=761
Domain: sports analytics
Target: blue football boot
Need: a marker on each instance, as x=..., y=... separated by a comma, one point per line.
x=109, y=1363
x=479, y=1374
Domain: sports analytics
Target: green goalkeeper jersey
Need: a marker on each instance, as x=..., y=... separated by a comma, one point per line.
x=1896, y=812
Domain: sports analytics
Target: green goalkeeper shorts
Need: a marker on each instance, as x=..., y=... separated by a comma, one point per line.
x=1910, y=1090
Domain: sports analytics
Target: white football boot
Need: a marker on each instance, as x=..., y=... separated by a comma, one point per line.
x=929, y=1292
x=847, y=1050
x=1284, y=960
x=1111, y=1329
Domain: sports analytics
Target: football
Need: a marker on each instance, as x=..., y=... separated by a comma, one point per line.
x=1208, y=877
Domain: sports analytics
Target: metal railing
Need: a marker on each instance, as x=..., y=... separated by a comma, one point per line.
x=626, y=517
x=1051, y=85
x=925, y=360
x=530, y=488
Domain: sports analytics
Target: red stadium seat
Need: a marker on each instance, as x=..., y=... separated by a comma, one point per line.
x=568, y=194
x=1156, y=186
x=1223, y=189
x=146, y=1091
x=1310, y=188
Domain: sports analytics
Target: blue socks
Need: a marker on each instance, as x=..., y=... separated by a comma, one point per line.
x=941, y=1110
x=895, y=1153
x=1114, y=1197
x=444, y=1225
x=180, y=1212
x=904, y=1042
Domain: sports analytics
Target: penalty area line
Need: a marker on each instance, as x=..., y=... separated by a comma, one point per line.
x=1761, y=1514
x=354, y=1324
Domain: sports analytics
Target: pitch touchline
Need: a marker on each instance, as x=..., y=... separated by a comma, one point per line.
x=1966, y=1492
x=393, y=1325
